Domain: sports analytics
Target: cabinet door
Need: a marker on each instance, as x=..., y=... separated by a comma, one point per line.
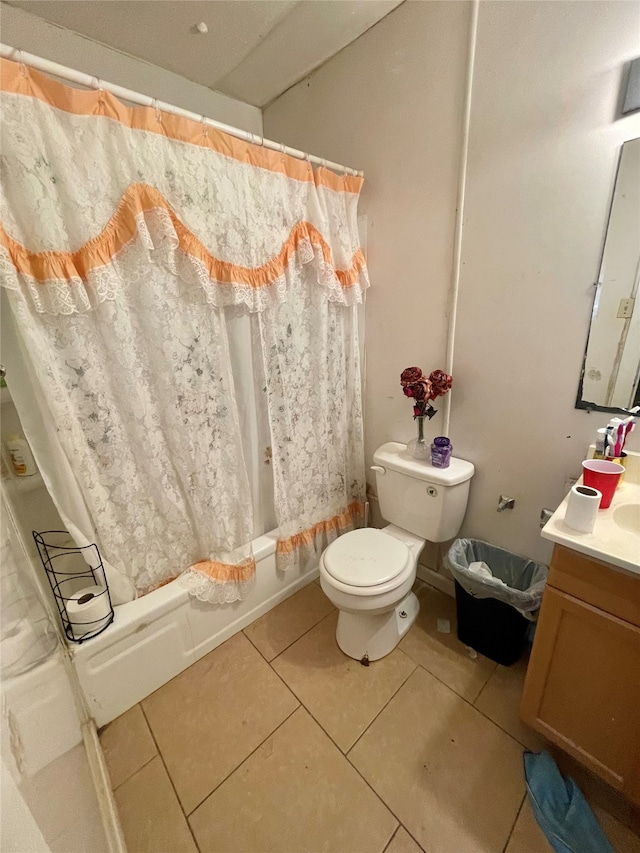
x=582, y=689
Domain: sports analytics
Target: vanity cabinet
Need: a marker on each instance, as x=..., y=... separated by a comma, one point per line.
x=582, y=689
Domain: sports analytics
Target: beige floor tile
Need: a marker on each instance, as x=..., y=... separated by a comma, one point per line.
x=127, y=745
x=452, y=777
x=209, y=718
x=500, y=701
x=277, y=629
x=342, y=695
x=527, y=837
x=443, y=654
x=402, y=842
x=150, y=814
x=621, y=838
x=297, y=792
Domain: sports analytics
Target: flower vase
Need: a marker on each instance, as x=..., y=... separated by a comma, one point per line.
x=419, y=447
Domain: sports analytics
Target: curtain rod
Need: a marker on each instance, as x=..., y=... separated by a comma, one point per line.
x=86, y=80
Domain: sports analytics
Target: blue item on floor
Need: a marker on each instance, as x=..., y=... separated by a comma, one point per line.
x=561, y=809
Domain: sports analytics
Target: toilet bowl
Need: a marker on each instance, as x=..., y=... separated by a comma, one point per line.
x=368, y=573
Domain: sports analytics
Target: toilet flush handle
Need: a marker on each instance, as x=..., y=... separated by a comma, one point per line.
x=378, y=469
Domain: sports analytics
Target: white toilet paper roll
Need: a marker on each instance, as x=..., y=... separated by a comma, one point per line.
x=582, y=508
x=88, y=610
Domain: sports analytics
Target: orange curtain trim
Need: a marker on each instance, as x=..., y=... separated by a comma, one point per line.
x=307, y=537
x=20, y=80
x=122, y=228
x=225, y=571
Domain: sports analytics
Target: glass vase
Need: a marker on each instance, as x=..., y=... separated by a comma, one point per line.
x=419, y=447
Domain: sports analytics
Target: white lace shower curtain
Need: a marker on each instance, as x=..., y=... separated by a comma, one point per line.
x=131, y=240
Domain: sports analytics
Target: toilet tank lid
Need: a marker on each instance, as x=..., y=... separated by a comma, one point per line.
x=394, y=455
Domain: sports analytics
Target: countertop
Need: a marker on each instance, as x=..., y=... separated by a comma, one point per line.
x=608, y=542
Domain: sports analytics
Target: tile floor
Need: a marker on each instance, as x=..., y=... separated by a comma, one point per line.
x=276, y=742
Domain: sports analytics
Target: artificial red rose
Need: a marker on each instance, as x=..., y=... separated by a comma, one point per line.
x=410, y=376
x=441, y=383
x=421, y=390
x=408, y=390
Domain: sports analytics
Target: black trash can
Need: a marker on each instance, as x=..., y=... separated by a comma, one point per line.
x=498, y=595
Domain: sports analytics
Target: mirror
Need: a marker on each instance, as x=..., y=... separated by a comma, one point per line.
x=611, y=367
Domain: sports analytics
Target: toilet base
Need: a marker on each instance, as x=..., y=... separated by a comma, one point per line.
x=361, y=634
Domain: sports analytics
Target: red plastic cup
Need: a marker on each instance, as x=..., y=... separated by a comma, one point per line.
x=604, y=476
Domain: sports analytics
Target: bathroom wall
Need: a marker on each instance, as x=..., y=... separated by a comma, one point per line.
x=543, y=147
x=390, y=103
x=32, y=34
x=545, y=141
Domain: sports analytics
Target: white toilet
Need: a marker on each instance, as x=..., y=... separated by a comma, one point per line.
x=368, y=573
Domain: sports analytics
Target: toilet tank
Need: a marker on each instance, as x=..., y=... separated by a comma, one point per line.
x=429, y=502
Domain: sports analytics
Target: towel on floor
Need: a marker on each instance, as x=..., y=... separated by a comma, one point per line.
x=560, y=808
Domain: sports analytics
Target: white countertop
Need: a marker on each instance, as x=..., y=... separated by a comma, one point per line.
x=608, y=542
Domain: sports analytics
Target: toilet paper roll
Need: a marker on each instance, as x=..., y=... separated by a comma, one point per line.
x=88, y=610
x=582, y=508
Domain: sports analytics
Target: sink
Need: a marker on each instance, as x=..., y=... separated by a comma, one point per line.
x=627, y=517
x=615, y=538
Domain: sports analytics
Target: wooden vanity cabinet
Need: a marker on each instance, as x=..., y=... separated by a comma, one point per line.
x=582, y=689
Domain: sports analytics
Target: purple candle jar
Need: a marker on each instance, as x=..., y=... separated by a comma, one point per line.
x=441, y=451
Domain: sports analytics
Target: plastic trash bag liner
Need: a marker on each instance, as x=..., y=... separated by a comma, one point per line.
x=560, y=808
x=515, y=580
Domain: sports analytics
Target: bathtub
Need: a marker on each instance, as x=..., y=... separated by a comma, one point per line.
x=154, y=638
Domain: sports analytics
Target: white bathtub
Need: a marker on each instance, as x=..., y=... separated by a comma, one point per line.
x=154, y=638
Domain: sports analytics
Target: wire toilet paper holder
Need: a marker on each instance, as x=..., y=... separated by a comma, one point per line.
x=67, y=585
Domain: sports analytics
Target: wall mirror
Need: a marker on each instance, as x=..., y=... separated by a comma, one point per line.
x=611, y=368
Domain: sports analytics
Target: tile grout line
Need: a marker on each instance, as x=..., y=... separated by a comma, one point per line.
x=482, y=689
x=389, y=842
x=402, y=826
x=471, y=704
x=293, y=642
x=513, y=825
x=346, y=755
x=246, y=758
x=137, y=770
x=166, y=770
x=395, y=692
x=366, y=781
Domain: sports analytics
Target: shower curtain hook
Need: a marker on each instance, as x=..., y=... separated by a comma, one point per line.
x=158, y=112
x=96, y=83
x=205, y=126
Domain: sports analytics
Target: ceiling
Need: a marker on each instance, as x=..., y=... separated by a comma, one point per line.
x=254, y=49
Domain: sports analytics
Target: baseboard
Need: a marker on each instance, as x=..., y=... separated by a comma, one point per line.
x=102, y=783
x=436, y=580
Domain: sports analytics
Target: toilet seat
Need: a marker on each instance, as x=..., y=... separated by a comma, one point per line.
x=365, y=558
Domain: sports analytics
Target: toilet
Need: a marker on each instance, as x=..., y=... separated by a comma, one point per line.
x=368, y=573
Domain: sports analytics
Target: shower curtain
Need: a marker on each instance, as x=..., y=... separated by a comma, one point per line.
x=131, y=242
